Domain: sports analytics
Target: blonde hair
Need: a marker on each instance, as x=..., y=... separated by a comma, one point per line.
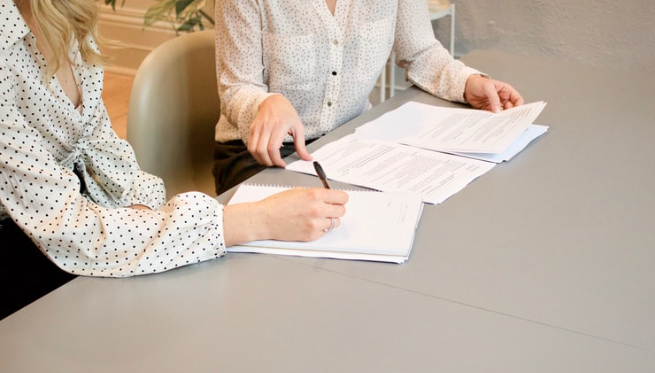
x=63, y=21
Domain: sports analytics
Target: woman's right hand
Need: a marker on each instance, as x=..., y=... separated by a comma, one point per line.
x=275, y=119
x=300, y=214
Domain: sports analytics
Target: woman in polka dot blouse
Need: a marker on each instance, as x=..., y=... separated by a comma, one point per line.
x=73, y=199
x=292, y=70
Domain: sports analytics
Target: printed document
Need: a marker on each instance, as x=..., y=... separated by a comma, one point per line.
x=392, y=167
x=454, y=129
x=430, y=150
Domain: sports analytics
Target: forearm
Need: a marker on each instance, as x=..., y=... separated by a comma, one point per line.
x=244, y=222
x=239, y=63
x=440, y=76
x=86, y=239
x=429, y=65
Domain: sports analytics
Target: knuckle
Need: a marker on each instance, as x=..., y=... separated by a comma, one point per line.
x=272, y=148
x=314, y=210
x=314, y=193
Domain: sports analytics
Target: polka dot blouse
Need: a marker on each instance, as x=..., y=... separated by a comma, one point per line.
x=326, y=65
x=66, y=179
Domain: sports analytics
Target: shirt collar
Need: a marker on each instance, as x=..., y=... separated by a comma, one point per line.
x=14, y=26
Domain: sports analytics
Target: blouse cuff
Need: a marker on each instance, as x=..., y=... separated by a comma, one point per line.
x=459, y=84
x=147, y=190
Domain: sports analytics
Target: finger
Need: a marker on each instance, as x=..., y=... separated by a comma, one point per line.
x=505, y=98
x=299, y=144
x=492, y=97
x=275, y=142
x=253, y=140
x=335, y=211
x=515, y=98
x=261, y=149
x=510, y=96
x=331, y=223
x=335, y=197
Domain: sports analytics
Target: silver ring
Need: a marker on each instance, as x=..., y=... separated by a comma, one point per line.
x=334, y=222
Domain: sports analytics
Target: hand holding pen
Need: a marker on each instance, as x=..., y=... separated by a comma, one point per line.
x=321, y=175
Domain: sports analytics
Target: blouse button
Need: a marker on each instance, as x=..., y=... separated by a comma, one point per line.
x=334, y=73
x=329, y=103
x=335, y=41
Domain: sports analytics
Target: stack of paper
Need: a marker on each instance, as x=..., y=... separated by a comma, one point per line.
x=468, y=132
x=429, y=150
x=377, y=226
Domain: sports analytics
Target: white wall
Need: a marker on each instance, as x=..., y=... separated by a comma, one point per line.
x=610, y=33
x=619, y=34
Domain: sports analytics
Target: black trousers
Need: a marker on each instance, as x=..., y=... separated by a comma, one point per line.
x=234, y=164
x=26, y=274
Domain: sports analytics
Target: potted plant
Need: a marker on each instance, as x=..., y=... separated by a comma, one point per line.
x=185, y=15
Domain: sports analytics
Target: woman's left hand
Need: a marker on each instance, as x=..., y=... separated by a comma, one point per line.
x=485, y=93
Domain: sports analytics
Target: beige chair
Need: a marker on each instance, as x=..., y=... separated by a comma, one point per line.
x=173, y=109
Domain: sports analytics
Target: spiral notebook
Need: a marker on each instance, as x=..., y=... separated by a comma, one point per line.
x=377, y=226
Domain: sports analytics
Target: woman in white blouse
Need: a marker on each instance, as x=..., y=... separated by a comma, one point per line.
x=73, y=199
x=293, y=70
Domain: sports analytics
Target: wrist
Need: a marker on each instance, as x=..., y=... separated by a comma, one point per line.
x=470, y=83
x=244, y=222
x=139, y=207
x=271, y=98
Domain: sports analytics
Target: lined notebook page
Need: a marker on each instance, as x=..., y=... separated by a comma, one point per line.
x=377, y=226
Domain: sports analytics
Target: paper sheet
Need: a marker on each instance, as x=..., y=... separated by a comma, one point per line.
x=392, y=167
x=453, y=129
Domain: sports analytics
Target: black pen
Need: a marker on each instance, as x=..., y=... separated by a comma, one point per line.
x=321, y=174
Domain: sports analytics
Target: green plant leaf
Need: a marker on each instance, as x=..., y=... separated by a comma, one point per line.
x=159, y=11
x=181, y=5
x=191, y=24
x=113, y=4
x=185, y=15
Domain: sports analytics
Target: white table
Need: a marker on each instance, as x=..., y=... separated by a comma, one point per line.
x=544, y=264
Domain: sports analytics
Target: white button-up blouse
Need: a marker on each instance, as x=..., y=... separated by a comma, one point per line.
x=325, y=65
x=83, y=223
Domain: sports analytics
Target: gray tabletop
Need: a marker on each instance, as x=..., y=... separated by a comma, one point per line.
x=544, y=264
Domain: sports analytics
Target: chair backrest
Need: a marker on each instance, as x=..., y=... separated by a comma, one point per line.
x=174, y=107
